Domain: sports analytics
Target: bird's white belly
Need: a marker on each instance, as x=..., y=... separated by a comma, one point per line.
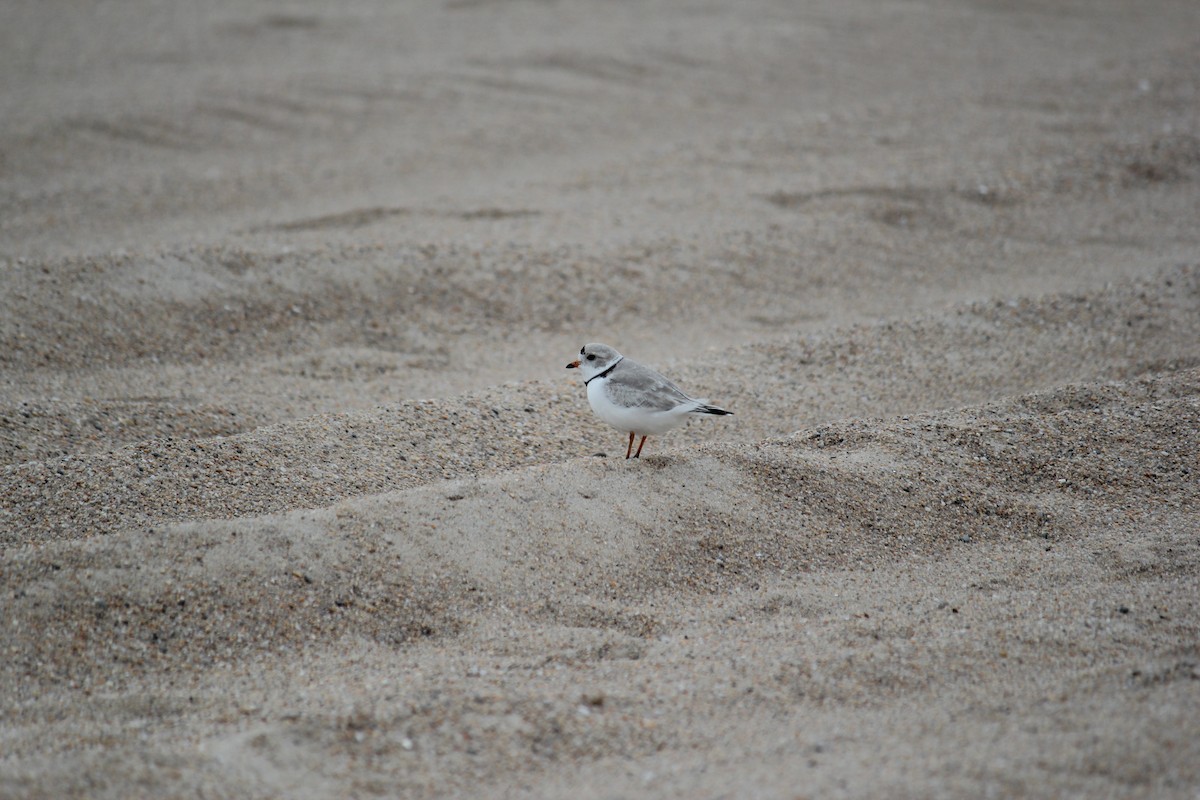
x=641, y=421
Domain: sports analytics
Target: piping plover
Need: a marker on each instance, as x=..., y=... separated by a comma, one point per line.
x=632, y=397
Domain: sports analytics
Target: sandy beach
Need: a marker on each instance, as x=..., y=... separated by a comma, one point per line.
x=297, y=499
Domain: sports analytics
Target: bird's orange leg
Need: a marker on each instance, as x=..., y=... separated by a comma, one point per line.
x=629, y=449
x=641, y=444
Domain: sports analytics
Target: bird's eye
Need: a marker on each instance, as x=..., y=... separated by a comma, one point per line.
x=592, y=357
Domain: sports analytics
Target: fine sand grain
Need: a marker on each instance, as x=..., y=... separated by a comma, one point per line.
x=297, y=499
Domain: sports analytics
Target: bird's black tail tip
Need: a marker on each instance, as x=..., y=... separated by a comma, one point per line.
x=720, y=412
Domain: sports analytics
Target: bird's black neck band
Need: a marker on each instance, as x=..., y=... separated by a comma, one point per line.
x=602, y=374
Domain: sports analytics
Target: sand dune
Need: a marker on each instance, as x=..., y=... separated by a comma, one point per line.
x=973, y=353
x=1024, y=566
x=297, y=499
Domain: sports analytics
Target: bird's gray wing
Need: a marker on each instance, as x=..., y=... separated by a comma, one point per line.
x=634, y=385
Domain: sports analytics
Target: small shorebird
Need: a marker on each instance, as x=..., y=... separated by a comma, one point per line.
x=632, y=397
